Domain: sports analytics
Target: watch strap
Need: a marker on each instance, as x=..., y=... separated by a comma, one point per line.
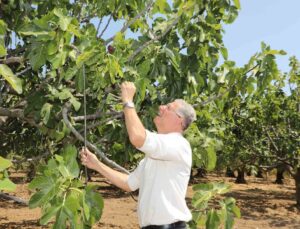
x=128, y=104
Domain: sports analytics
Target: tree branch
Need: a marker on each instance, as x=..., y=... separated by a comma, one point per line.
x=271, y=140
x=274, y=131
x=18, y=113
x=13, y=113
x=89, y=145
x=98, y=114
x=118, y=115
x=14, y=198
x=268, y=167
x=16, y=51
x=141, y=48
x=126, y=26
x=12, y=60
x=213, y=98
x=255, y=152
x=34, y=159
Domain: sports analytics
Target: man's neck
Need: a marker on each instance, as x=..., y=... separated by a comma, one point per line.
x=169, y=132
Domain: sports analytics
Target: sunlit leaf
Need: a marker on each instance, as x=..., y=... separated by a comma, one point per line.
x=4, y=163
x=237, y=4
x=9, y=76
x=64, y=20
x=45, y=112
x=7, y=185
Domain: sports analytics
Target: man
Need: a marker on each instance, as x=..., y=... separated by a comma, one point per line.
x=162, y=176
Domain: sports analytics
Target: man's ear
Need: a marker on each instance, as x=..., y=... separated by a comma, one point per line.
x=182, y=123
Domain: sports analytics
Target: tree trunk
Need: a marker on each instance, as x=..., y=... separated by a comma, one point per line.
x=279, y=175
x=229, y=172
x=201, y=172
x=31, y=173
x=241, y=177
x=249, y=173
x=259, y=174
x=297, y=182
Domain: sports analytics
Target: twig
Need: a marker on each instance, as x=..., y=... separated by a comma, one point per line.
x=98, y=27
x=105, y=28
x=275, y=132
x=23, y=71
x=75, y=48
x=80, y=11
x=87, y=19
x=89, y=145
x=230, y=123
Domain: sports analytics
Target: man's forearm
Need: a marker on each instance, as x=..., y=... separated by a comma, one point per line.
x=117, y=178
x=135, y=128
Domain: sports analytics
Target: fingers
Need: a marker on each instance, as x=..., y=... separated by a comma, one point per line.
x=84, y=151
x=127, y=85
x=84, y=155
x=127, y=91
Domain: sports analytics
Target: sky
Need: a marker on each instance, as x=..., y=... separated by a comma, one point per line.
x=276, y=22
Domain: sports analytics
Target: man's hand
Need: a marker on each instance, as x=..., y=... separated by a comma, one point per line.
x=127, y=91
x=89, y=159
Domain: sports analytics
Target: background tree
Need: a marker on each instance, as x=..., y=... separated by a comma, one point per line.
x=263, y=130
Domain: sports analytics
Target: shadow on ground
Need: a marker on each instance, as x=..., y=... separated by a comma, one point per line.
x=23, y=224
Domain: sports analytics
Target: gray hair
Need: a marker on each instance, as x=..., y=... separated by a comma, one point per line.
x=187, y=112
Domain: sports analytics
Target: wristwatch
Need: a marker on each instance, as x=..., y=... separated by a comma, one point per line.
x=128, y=104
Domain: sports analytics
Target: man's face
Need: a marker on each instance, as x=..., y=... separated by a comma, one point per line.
x=167, y=119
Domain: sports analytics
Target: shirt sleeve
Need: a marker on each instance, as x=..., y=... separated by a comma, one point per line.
x=133, y=180
x=169, y=147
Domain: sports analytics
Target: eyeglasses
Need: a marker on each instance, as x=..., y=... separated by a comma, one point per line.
x=170, y=109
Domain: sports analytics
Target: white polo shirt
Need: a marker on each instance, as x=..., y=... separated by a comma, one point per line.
x=162, y=178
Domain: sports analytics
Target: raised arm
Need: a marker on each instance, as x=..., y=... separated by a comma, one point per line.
x=135, y=128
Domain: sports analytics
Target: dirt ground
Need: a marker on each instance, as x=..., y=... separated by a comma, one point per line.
x=263, y=205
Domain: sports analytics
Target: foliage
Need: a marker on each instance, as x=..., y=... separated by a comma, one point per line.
x=204, y=146
x=60, y=193
x=205, y=214
x=54, y=40
x=48, y=47
x=5, y=183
